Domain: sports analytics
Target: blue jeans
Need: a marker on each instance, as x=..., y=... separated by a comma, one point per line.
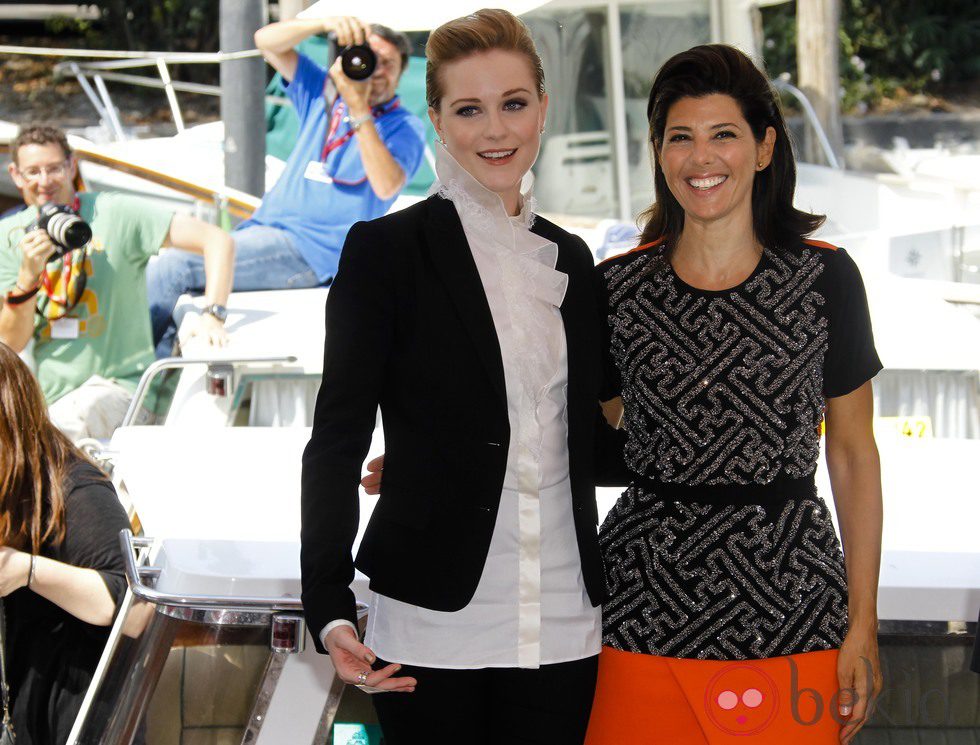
x=265, y=259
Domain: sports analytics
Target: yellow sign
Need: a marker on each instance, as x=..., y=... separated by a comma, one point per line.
x=911, y=427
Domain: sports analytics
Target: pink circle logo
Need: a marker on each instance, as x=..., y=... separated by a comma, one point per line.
x=741, y=699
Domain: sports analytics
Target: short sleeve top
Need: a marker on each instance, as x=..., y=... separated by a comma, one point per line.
x=729, y=387
x=318, y=212
x=104, y=288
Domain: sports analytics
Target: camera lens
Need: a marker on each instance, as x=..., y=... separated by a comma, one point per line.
x=67, y=229
x=358, y=61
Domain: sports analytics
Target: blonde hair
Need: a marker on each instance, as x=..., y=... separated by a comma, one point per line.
x=481, y=31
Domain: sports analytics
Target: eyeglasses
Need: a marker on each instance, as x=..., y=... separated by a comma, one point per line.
x=34, y=173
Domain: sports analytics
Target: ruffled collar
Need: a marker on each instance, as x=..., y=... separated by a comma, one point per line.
x=526, y=259
x=523, y=266
x=477, y=201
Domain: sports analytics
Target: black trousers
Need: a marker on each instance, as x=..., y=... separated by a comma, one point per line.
x=491, y=706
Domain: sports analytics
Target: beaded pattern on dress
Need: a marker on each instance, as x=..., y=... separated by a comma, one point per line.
x=721, y=388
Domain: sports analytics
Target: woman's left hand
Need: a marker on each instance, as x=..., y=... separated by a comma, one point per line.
x=859, y=678
x=15, y=566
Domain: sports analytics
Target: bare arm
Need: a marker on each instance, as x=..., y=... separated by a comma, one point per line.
x=382, y=170
x=17, y=321
x=612, y=410
x=80, y=592
x=190, y=234
x=855, y=477
x=278, y=41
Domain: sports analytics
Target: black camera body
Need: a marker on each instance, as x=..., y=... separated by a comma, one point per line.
x=358, y=61
x=64, y=227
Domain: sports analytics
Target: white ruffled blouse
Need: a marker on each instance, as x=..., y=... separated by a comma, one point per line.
x=530, y=607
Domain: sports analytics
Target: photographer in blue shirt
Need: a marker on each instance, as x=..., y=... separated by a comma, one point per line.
x=356, y=149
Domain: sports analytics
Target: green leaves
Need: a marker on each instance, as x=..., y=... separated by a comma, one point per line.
x=888, y=48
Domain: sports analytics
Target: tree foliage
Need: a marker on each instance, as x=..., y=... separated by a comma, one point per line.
x=172, y=25
x=161, y=25
x=912, y=45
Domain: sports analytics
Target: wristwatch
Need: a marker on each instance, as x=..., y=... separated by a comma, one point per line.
x=356, y=122
x=220, y=312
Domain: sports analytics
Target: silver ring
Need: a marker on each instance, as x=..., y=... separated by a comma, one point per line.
x=362, y=677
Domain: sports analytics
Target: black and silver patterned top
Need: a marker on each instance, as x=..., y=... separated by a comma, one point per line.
x=724, y=390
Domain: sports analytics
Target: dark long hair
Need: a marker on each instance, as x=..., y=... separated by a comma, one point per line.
x=719, y=68
x=35, y=458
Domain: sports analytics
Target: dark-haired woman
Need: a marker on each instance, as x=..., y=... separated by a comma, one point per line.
x=61, y=571
x=733, y=613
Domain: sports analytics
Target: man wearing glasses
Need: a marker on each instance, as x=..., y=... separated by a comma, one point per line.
x=87, y=310
x=356, y=149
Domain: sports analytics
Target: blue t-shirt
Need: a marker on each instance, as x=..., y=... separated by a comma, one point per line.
x=318, y=215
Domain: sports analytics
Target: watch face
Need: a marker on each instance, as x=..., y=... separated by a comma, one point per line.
x=218, y=311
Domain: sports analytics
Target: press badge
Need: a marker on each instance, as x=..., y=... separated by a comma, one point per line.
x=317, y=171
x=64, y=328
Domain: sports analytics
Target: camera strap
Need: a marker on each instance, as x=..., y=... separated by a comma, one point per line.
x=331, y=142
x=73, y=285
x=68, y=281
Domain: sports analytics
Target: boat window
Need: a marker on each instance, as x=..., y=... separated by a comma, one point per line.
x=652, y=34
x=576, y=172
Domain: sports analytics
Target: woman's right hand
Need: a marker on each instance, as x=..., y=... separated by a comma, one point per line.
x=350, y=660
x=15, y=567
x=372, y=482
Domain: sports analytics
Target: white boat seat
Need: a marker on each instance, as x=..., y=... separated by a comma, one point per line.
x=236, y=483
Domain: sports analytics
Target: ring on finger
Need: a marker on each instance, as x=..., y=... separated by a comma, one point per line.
x=362, y=677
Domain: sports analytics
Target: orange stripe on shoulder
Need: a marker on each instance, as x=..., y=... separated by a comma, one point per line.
x=645, y=246
x=820, y=244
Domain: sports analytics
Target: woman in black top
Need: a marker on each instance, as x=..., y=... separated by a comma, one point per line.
x=61, y=570
x=734, y=341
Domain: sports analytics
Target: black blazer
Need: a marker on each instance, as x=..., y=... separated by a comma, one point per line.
x=409, y=329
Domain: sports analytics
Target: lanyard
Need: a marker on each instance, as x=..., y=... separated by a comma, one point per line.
x=66, y=277
x=331, y=143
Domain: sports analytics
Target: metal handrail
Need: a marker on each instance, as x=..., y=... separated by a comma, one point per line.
x=150, y=57
x=116, y=60
x=241, y=603
x=173, y=363
x=814, y=121
x=184, y=87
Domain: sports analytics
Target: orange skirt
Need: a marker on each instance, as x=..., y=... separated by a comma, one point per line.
x=647, y=700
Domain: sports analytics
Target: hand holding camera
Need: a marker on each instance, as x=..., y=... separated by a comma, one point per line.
x=348, y=30
x=36, y=247
x=66, y=229
x=355, y=62
x=56, y=232
x=355, y=93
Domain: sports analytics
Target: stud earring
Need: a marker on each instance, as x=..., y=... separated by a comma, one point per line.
x=760, y=164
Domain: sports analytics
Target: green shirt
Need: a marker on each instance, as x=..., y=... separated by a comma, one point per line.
x=110, y=322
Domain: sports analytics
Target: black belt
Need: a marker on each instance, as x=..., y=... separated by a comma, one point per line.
x=781, y=489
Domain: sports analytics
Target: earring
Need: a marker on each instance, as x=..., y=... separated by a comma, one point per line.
x=760, y=164
x=542, y=130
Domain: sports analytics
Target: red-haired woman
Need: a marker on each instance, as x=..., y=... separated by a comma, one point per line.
x=473, y=324
x=61, y=571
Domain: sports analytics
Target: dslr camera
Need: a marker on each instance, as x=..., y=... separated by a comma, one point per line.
x=358, y=61
x=65, y=228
